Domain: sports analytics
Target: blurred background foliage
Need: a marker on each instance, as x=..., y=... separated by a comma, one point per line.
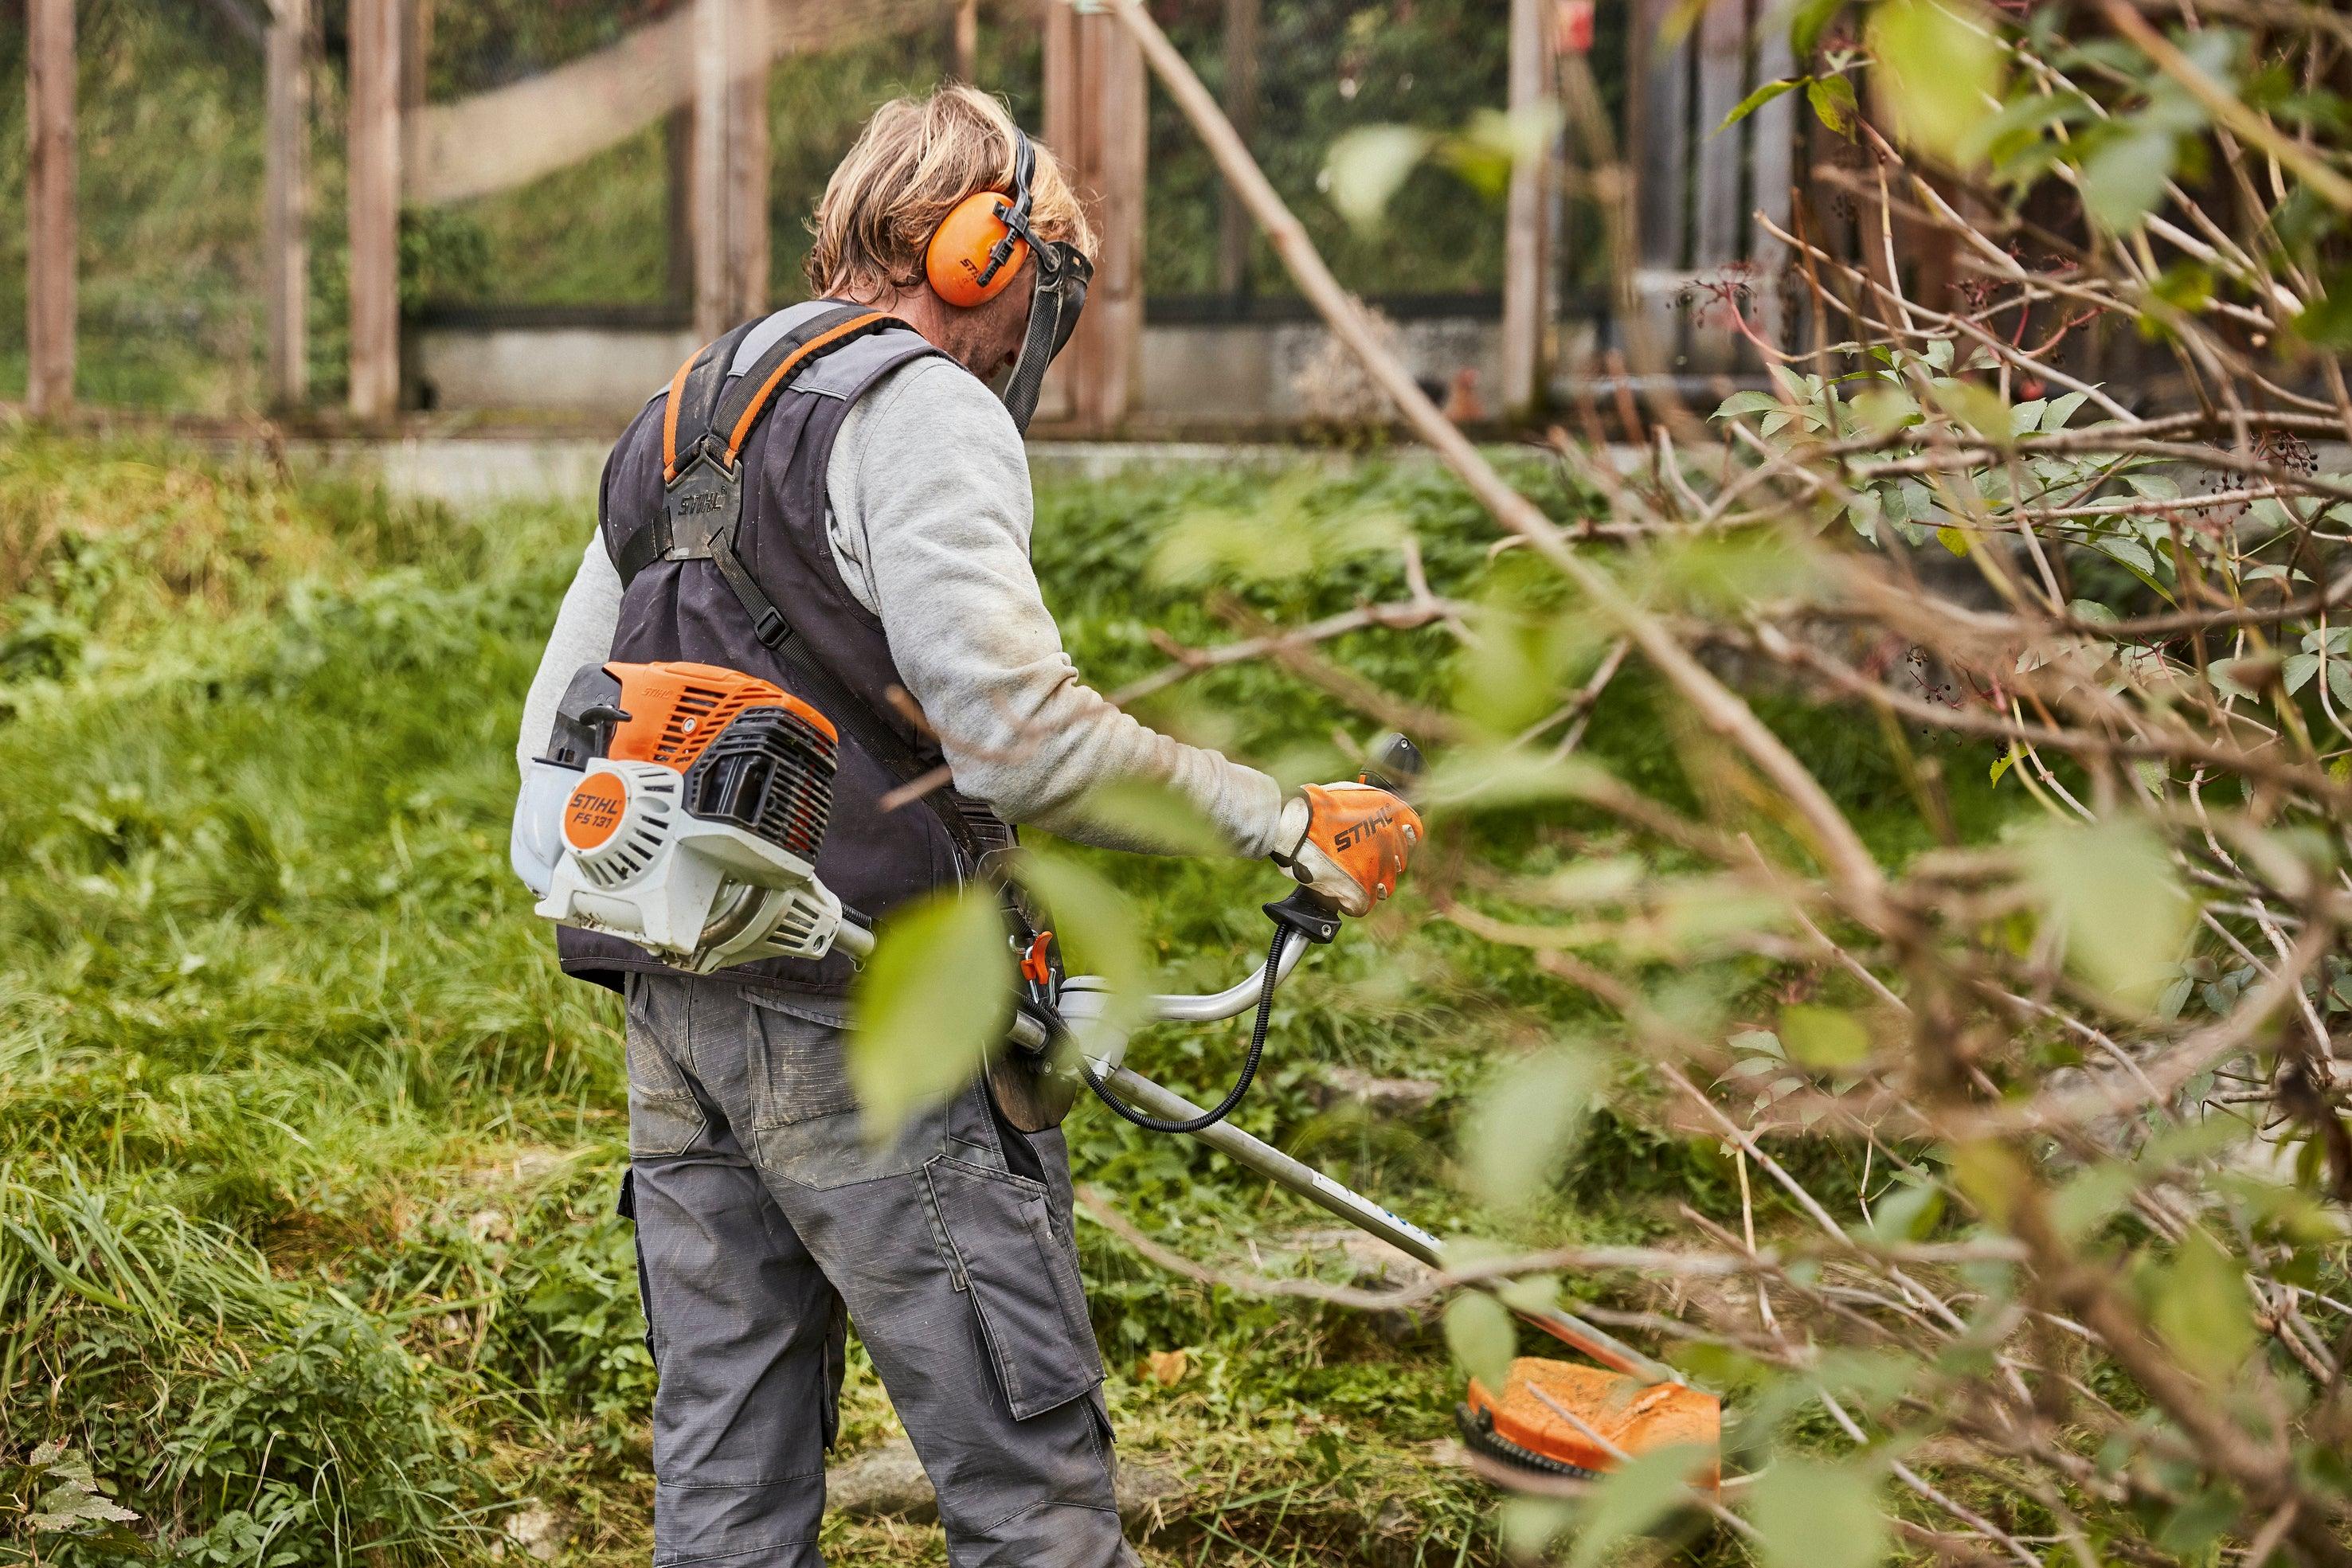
x=171, y=122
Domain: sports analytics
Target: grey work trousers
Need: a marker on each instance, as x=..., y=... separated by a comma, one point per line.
x=765, y=1227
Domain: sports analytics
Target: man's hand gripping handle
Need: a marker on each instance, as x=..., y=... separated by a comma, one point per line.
x=1349, y=843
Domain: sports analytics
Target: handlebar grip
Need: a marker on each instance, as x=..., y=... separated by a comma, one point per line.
x=1395, y=765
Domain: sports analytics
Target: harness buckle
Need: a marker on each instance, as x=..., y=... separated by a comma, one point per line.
x=702, y=505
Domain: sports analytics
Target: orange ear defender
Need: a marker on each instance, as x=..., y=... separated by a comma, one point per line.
x=980, y=245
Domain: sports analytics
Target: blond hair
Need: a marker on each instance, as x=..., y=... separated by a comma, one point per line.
x=916, y=159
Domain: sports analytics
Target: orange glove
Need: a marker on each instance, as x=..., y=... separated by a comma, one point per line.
x=1348, y=842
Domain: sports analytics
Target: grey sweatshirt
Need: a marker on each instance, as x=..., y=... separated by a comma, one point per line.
x=928, y=488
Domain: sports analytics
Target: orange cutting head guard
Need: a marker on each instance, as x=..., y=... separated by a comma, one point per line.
x=1561, y=1417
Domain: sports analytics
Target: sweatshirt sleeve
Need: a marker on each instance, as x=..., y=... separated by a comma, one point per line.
x=582, y=635
x=929, y=486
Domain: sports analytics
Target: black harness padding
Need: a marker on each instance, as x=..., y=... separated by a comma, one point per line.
x=711, y=415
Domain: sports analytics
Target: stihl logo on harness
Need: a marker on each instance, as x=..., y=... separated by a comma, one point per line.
x=1355, y=833
x=707, y=501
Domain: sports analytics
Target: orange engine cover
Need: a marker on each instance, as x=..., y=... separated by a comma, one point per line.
x=676, y=709
x=1637, y=1417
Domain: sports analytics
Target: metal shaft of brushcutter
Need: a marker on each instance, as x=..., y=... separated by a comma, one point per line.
x=1297, y=1176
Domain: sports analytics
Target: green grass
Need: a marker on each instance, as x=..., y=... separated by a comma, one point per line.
x=308, y=1153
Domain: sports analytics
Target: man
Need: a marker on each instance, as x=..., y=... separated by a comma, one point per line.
x=881, y=560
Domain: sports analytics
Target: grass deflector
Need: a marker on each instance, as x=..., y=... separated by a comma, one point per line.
x=681, y=806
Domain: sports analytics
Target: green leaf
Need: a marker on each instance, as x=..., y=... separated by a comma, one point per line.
x=928, y=1007
x=1907, y=1214
x=1504, y=778
x=1807, y=19
x=2123, y=179
x=2113, y=888
x=1153, y=819
x=1939, y=72
x=2131, y=552
x=2090, y=1198
x=2199, y=1304
x=1826, y=1037
x=1953, y=539
x=1097, y=926
x=2061, y=410
x=2298, y=669
x=2007, y=761
x=1629, y=1502
x=1832, y=100
x=1758, y=100
x=1367, y=165
x=1750, y=401
x=2328, y=324
x=1483, y=1336
x=1812, y=1514
x=1525, y=1122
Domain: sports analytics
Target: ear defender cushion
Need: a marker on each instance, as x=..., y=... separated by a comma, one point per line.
x=958, y=253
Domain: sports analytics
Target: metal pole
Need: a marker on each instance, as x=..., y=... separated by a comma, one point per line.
x=1295, y=1176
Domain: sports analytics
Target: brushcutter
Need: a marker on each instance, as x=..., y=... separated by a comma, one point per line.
x=680, y=807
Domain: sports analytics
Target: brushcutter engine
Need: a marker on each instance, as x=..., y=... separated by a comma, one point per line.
x=680, y=807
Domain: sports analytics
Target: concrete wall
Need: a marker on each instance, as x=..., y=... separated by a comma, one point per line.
x=1198, y=375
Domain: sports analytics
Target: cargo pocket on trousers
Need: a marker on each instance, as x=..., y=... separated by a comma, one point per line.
x=996, y=1234
x=800, y=1063
x=663, y=1116
x=627, y=1209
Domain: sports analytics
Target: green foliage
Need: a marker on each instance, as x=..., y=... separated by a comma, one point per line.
x=930, y=1006
x=1938, y=63
x=1816, y=1515
x=2114, y=890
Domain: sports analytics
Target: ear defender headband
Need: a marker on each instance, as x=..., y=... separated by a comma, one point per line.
x=977, y=251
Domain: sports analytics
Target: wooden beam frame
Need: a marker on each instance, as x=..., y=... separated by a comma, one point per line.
x=1527, y=249
x=1095, y=106
x=1236, y=233
x=729, y=205
x=512, y=135
x=52, y=227
x=374, y=208
x=286, y=259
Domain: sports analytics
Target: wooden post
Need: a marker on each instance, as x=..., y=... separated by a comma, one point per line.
x=374, y=163
x=1235, y=231
x=1721, y=222
x=730, y=188
x=51, y=236
x=1527, y=261
x=286, y=260
x=1095, y=119
x=677, y=208
x=967, y=40
x=1773, y=132
x=415, y=53
x=1657, y=148
x=747, y=164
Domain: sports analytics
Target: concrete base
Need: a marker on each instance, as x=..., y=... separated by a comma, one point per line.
x=1212, y=376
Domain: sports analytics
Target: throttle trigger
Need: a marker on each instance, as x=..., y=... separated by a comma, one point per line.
x=1040, y=963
